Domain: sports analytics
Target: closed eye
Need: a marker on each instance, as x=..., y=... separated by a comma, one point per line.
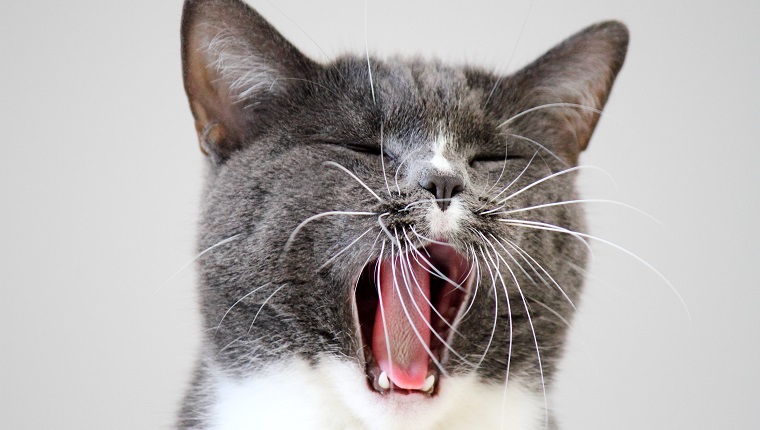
x=356, y=147
x=488, y=159
x=365, y=149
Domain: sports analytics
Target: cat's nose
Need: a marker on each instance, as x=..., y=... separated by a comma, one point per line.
x=443, y=188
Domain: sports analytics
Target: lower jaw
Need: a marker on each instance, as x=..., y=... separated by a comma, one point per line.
x=381, y=383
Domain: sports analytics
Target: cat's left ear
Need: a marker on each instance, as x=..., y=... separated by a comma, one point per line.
x=574, y=80
x=238, y=71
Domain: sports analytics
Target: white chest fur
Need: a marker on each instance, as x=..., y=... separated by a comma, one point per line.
x=334, y=396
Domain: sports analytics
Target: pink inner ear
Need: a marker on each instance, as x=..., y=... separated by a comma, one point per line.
x=219, y=121
x=401, y=337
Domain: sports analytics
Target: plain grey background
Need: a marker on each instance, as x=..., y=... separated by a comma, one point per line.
x=101, y=175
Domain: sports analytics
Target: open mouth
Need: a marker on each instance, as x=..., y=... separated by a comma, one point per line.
x=407, y=306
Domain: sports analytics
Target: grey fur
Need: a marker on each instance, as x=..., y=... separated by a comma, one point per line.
x=269, y=134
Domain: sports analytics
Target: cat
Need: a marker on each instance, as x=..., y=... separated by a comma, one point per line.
x=385, y=244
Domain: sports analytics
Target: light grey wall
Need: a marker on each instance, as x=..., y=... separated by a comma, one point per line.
x=100, y=176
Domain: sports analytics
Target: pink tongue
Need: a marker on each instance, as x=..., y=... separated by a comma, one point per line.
x=401, y=331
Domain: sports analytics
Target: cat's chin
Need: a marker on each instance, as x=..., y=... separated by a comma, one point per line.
x=408, y=305
x=329, y=394
x=462, y=402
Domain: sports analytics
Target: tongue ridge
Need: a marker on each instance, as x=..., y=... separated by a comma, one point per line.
x=401, y=337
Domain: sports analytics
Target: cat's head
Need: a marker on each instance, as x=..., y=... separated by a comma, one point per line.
x=407, y=217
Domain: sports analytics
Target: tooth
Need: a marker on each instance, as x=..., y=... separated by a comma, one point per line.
x=383, y=381
x=429, y=382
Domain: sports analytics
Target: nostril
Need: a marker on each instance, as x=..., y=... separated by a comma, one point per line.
x=443, y=188
x=457, y=187
x=430, y=184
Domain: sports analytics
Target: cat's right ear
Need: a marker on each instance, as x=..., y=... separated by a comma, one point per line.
x=237, y=71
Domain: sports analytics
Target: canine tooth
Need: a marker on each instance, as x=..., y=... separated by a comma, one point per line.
x=429, y=382
x=383, y=381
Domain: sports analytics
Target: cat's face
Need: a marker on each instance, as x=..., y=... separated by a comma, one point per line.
x=401, y=219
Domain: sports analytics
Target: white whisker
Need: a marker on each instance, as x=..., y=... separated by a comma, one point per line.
x=197, y=256
x=501, y=174
x=527, y=139
x=326, y=263
x=550, y=227
x=511, y=56
x=475, y=282
x=233, y=341
x=410, y=276
x=350, y=173
x=547, y=106
x=318, y=216
x=370, y=254
x=418, y=203
x=235, y=304
x=571, y=202
x=414, y=278
x=544, y=179
x=409, y=318
x=264, y=304
x=510, y=184
x=385, y=229
x=551, y=311
x=525, y=255
x=327, y=57
x=382, y=160
x=486, y=259
x=398, y=169
x=532, y=328
x=569, y=325
x=382, y=308
x=366, y=46
x=435, y=271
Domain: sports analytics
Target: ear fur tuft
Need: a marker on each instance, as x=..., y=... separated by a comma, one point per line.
x=237, y=69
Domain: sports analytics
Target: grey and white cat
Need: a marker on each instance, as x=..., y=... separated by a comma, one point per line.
x=384, y=247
